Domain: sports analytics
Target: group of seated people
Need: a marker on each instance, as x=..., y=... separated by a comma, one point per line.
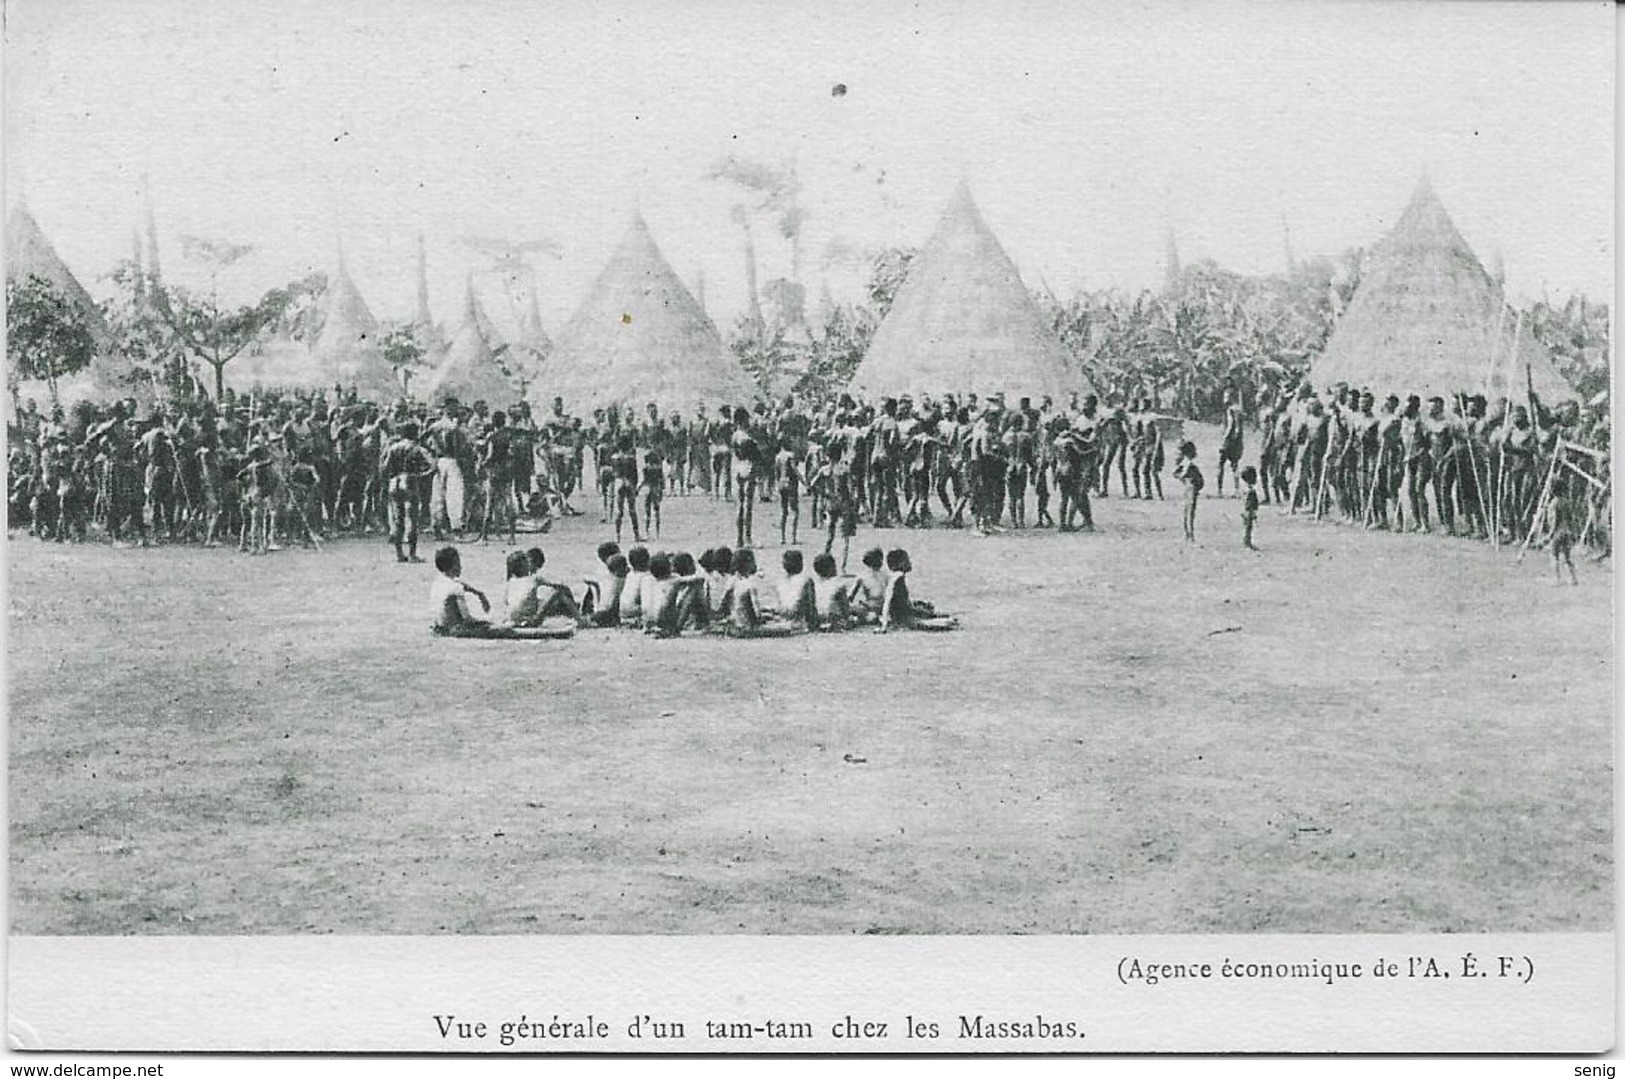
x=667, y=594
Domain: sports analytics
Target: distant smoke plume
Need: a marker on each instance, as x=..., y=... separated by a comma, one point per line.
x=774, y=189
x=510, y=255
x=213, y=252
x=840, y=252
x=510, y=261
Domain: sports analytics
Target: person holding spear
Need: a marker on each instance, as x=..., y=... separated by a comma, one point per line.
x=1471, y=483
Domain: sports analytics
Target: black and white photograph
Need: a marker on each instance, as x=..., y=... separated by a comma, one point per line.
x=503, y=475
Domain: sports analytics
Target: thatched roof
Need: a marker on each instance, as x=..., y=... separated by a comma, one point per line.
x=278, y=360
x=1425, y=319
x=424, y=328
x=469, y=370
x=640, y=337
x=963, y=322
x=346, y=320
x=29, y=252
x=347, y=345
x=531, y=334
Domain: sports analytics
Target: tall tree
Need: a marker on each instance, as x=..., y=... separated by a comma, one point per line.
x=1576, y=337
x=838, y=349
x=886, y=276
x=47, y=335
x=217, y=333
x=404, y=353
x=153, y=358
x=764, y=355
x=768, y=189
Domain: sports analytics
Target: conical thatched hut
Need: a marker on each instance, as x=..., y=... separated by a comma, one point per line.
x=964, y=323
x=347, y=346
x=423, y=326
x=469, y=370
x=277, y=360
x=640, y=337
x=528, y=354
x=30, y=253
x=532, y=336
x=1428, y=320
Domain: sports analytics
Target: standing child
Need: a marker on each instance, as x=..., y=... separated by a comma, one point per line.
x=1249, y=505
x=746, y=468
x=789, y=475
x=1154, y=457
x=1562, y=519
x=1230, y=442
x=815, y=471
x=259, y=480
x=602, y=452
x=653, y=489
x=1187, y=471
x=624, y=470
x=843, y=507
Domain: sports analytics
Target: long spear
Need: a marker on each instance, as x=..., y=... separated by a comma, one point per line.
x=1498, y=474
x=1500, y=489
x=1376, y=475
x=1494, y=521
x=1540, y=504
x=1325, y=458
x=1472, y=456
x=1495, y=342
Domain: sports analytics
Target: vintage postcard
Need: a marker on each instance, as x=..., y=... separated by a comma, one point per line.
x=827, y=528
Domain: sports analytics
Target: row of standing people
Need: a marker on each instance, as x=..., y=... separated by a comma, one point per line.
x=888, y=465
x=288, y=468
x=259, y=469
x=1500, y=472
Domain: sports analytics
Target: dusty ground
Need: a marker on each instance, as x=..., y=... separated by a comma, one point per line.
x=1345, y=732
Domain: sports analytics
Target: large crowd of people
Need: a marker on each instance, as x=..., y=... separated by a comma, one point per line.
x=262, y=471
x=1506, y=471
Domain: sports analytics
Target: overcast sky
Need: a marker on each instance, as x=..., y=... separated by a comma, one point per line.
x=1084, y=132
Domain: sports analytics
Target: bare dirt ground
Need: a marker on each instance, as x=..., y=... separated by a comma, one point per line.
x=1345, y=732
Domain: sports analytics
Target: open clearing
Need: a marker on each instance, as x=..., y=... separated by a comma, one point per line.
x=1347, y=732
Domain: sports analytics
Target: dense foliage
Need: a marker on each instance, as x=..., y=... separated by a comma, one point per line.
x=1182, y=347
x=47, y=334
